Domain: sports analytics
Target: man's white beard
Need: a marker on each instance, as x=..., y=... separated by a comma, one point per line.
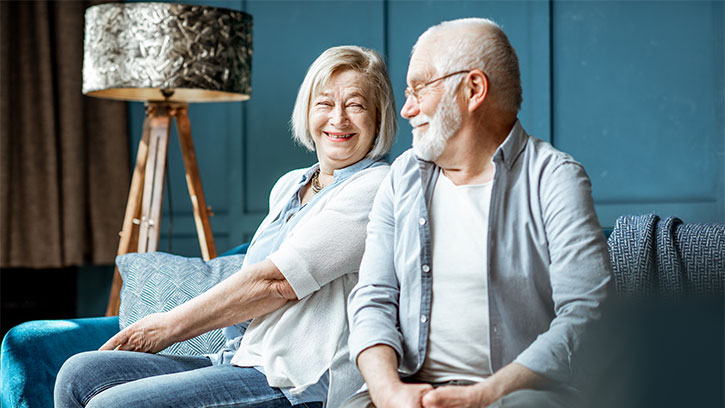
x=428, y=145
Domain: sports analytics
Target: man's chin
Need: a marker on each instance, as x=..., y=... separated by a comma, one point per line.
x=425, y=153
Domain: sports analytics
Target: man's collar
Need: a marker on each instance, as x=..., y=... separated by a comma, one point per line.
x=512, y=146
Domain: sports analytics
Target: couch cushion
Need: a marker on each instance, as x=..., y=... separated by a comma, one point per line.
x=157, y=282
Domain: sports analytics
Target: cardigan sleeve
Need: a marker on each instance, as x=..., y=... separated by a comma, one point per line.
x=330, y=243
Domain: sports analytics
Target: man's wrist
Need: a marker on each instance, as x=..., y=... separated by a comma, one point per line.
x=383, y=387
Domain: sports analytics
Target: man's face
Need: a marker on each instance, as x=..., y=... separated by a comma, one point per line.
x=428, y=144
x=435, y=115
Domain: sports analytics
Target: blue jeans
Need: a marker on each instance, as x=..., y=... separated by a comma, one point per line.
x=111, y=379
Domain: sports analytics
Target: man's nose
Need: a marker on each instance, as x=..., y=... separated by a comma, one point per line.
x=410, y=109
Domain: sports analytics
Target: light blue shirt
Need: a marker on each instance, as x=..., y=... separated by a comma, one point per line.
x=548, y=270
x=268, y=241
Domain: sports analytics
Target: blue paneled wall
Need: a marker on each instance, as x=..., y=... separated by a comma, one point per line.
x=633, y=90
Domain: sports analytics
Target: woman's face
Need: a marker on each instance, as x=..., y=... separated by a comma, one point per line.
x=342, y=120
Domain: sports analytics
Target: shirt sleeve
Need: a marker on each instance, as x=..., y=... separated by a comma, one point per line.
x=579, y=272
x=373, y=303
x=329, y=243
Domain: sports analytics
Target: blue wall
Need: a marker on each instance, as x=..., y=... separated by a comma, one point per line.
x=633, y=90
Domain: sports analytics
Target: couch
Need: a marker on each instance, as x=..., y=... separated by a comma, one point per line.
x=669, y=279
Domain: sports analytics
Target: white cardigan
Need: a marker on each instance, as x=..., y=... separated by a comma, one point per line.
x=320, y=258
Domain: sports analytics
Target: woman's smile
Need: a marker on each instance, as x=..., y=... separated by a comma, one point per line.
x=338, y=136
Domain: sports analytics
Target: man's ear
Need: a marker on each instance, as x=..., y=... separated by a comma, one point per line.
x=476, y=89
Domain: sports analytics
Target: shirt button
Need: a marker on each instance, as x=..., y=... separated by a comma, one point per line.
x=423, y=319
x=421, y=221
x=426, y=268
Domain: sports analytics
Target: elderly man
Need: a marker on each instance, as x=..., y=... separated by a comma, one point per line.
x=485, y=264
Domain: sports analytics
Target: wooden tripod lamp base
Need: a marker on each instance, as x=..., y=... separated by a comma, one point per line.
x=142, y=220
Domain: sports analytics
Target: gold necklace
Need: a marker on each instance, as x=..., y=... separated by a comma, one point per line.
x=316, y=187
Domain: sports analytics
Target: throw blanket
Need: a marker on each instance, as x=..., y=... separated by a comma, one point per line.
x=666, y=257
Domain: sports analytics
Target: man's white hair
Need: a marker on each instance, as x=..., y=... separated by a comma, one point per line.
x=338, y=59
x=480, y=43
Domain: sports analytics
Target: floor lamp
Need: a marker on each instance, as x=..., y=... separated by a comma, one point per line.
x=165, y=55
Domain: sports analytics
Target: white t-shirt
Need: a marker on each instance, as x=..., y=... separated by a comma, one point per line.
x=458, y=341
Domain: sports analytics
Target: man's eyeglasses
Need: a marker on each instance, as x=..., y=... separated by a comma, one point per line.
x=415, y=93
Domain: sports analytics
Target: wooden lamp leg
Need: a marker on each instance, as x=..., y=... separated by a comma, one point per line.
x=142, y=220
x=153, y=193
x=129, y=231
x=193, y=181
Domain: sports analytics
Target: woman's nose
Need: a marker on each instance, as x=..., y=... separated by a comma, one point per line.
x=338, y=116
x=410, y=109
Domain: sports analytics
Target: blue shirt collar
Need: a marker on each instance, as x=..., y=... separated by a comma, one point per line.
x=512, y=146
x=344, y=173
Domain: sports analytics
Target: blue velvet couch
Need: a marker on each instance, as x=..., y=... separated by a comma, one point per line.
x=669, y=279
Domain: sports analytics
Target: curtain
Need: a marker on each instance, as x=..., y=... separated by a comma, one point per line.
x=64, y=157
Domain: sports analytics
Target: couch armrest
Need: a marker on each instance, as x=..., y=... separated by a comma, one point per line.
x=33, y=352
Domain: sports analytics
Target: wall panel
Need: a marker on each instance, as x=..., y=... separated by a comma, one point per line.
x=633, y=90
x=638, y=96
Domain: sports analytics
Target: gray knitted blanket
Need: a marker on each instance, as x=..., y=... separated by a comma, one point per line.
x=653, y=256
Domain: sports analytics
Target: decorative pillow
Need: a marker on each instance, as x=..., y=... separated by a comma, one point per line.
x=157, y=282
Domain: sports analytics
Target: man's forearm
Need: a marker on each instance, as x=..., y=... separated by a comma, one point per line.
x=379, y=367
x=513, y=377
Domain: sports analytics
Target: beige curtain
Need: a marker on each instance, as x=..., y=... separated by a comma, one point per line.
x=64, y=157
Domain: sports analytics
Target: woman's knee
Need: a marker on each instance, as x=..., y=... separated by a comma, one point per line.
x=72, y=381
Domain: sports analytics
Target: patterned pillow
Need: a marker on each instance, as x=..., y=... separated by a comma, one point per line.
x=157, y=282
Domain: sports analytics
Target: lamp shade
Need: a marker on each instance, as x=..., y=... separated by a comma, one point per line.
x=167, y=52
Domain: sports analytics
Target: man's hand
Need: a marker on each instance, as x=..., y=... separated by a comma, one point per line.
x=378, y=366
x=151, y=334
x=455, y=396
x=400, y=395
x=508, y=379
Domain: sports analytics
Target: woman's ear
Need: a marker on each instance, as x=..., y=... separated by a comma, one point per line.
x=476, y=89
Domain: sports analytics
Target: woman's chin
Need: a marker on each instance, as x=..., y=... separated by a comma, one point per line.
x=339, y=161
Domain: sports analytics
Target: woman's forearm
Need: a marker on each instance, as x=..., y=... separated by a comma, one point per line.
x=254, y=291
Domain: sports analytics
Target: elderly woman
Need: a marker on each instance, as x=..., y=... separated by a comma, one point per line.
x=299, y=269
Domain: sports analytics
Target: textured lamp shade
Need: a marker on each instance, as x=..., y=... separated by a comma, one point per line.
x=170, y=52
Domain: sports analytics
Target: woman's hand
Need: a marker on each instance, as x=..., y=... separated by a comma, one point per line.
x=151, y=334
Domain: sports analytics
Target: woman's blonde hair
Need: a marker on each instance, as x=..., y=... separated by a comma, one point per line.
x=342, y=58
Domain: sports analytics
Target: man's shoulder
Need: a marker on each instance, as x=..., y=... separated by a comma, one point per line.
x=404, y=163
x=544, y=155
x=550, y=166
x=405, y=158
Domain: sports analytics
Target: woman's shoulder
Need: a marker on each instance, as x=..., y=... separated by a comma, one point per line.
x=371, y=176
x=292, y=176
x=286, y=182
